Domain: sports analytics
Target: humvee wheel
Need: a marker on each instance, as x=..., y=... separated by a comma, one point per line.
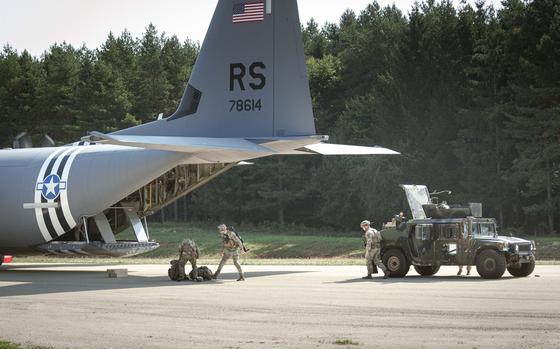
x=525, y=270
x=490, y=264
x=426, y=270
x=396, y=263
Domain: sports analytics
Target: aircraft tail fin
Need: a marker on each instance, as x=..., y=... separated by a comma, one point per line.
x=250, y=78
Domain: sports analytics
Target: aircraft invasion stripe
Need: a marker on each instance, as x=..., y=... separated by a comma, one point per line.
x=45, y=211
x=54, y=219
x=48, y=223
x=64, y=194
x=59, y=214
x=62, y=164
x=49, y=170
x=57, y=224
x=38, y=211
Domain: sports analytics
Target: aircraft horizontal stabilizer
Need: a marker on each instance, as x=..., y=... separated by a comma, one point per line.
x=182, y=144
x=342, y=149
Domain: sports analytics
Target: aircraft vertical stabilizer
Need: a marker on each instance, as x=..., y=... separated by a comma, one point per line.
x=250, y=78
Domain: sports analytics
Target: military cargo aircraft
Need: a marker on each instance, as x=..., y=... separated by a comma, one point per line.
x=247, y=97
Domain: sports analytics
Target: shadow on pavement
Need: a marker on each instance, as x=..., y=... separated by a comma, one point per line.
x=35, y=282
x=417, y=279
x=253, y=274
x=56, y=265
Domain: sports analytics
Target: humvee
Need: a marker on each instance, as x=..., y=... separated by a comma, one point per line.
x=451, y=235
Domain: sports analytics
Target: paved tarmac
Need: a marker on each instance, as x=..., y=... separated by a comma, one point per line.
x=77, y=306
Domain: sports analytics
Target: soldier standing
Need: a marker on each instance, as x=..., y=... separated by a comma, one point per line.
x=461, y=270
x=463, y=245
x=231, y=246
x=373, y=250
x=188, y=252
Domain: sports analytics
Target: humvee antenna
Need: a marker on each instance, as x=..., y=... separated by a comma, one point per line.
x=441, y=192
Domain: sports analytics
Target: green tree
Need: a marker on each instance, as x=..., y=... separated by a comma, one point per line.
x=178, y=61
x=533, y=121
x=121, y=55
x=102, y=101
x=61, y=66
x=20, y=78
x=153, y=91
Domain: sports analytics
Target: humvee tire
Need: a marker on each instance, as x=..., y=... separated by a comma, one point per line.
x=490, y=264
x=428, y=270
x=525, y=270
x=396, y=263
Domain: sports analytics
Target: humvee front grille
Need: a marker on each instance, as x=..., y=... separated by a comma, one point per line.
x=525, y=248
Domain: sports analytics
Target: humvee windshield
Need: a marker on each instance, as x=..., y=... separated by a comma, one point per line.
x=423, y=232
x=484, y=229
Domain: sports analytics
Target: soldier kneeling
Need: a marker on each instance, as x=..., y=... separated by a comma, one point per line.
x=188, y=252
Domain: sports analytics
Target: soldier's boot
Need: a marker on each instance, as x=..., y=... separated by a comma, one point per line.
x=367, y=277
x=386, y=274
x=216, y=274
x=241, y=277
x=460, y=272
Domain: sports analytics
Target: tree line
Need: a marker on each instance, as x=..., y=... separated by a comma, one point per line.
x=470, y=96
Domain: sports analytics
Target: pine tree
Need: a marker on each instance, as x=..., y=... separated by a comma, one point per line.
x=178, y=61
x=533, y=121
x=153, y=92
x=61, y=66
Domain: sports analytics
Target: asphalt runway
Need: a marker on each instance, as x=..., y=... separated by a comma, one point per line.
x=77, y=306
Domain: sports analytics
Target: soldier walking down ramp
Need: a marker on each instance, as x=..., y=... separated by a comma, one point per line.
x=373, y=250
x=231, y=246
x=188, y=252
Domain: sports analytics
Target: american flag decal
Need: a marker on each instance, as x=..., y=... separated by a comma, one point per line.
x=248, y=12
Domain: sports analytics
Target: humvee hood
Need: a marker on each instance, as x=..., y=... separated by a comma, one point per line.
x=513, y=240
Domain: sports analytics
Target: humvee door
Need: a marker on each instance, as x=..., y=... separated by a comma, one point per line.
x=422, y=241
x=453, y=243
x=417, y=195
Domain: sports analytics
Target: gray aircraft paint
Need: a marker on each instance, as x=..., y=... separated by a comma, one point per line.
x=92, y=178
x=275, y=42
x=95, y=178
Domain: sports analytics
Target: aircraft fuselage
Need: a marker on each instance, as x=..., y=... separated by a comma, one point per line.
x=46, y=191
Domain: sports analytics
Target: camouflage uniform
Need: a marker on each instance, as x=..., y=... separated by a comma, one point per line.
x=173, y=272
x=231, y=245
x=202, y=272
x=373, y=250
x=188, y=252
